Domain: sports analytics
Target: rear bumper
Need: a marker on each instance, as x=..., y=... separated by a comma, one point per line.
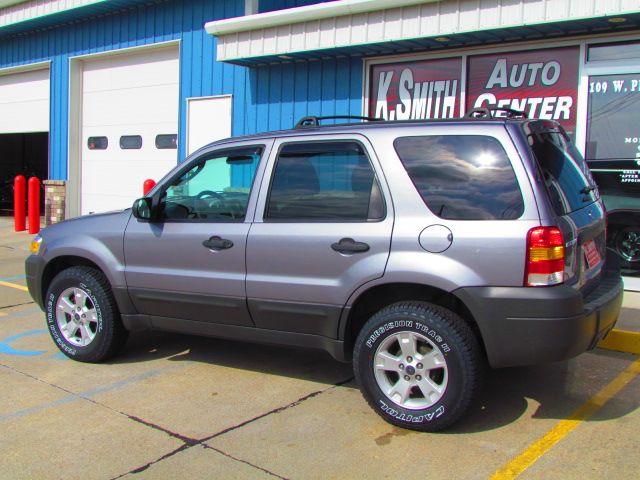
x=527, y=326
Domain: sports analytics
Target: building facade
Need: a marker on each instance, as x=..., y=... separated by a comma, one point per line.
x=104, y=94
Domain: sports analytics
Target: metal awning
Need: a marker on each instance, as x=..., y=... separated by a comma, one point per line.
x=376, y=27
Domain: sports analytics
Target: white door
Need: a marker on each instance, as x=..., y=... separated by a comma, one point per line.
x=129, y=125
x=209, y=119
x=24, y=102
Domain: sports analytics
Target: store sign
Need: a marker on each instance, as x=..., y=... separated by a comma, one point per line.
x=415, y=90
x=541, y=83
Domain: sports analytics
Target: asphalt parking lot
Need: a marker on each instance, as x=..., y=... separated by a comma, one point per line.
x=174, y=406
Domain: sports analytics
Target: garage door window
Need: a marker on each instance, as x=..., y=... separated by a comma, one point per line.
x=131, y=142
x=167, y=142
x=97, y=143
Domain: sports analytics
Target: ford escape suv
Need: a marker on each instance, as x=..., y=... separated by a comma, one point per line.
x=419, y=250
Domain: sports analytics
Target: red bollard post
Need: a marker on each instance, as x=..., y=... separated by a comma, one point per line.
x=19, y=203
x=147, y=186
x=34, y=205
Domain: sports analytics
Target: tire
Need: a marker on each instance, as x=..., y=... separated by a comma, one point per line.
x=82, y=316
x=430, y=390
x=626, y=242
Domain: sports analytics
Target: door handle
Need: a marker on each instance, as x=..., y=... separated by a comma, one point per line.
x=217, y=243
x=349, y=245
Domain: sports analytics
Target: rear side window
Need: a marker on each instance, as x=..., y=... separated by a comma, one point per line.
x=564, y=171
x=462, y=177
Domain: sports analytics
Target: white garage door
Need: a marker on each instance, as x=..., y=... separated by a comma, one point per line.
x=24, y=102
x=129, y=125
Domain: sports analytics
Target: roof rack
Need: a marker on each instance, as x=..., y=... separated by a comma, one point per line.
x=490, y=112
x=313, y=121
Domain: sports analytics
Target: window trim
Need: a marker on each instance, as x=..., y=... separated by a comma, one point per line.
x=314, y=140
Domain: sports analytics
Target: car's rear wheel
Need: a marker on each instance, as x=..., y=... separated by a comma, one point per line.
x=82, y=315
x=417, y=365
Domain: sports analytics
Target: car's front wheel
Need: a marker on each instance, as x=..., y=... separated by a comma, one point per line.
x=417, y=365
x=82, y=315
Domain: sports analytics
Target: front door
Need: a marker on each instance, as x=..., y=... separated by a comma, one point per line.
x=189, y=263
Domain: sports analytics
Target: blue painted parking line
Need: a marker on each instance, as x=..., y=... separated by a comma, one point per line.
x=9, y=279
x=82, y=395
x=7, y=349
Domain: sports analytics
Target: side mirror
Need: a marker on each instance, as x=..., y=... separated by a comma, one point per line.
x=142, y=209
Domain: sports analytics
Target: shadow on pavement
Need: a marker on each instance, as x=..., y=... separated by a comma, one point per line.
x=304, y=364
x=559, y=388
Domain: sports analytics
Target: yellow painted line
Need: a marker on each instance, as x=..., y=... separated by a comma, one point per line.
x=14, y=285
x=534, y=451
x=622, y=341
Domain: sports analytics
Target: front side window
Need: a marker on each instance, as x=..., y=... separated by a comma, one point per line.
x=324, y=182
x=462, y=177
x=215, y=189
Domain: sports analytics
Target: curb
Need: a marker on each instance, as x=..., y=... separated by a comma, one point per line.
x=622, y=341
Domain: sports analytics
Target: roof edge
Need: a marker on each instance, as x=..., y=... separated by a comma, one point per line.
x=318, y=11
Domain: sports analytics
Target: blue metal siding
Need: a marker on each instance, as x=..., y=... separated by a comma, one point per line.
x=283, y=93
x=265, y=98
x=271, y=5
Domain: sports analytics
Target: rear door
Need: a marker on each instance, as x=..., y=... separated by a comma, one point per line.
x=575, y=201
x=322, y=229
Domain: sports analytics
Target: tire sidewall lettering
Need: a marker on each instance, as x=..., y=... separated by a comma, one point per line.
x=412, y=417
x=416, y=326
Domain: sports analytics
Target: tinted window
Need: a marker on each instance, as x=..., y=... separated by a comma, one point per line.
x=462, y=177
x=169, y=141
x=564, y=171
x=97, y=143
x=324, y=181
x=216, y=188
x=131, y=142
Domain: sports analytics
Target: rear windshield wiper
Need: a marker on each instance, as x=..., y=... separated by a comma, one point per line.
x=587, y=189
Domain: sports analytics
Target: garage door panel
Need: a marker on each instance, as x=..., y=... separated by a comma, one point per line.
x=131, y=71
x=24, y=102
x=127, y=95
x=131, y=106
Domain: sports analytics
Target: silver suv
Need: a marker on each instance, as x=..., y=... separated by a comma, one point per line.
x=419, y=250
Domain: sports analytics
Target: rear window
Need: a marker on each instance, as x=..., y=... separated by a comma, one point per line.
x=462, y=177
x=564, y=171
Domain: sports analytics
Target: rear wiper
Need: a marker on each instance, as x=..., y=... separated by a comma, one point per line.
x=587, y=189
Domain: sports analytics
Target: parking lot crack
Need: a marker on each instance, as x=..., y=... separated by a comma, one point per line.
x=16, y=305
x=187, y=440
x=277, y=410
x=245, y=462
x=144, y=467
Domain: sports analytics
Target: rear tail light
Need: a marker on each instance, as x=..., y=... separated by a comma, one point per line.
x=545, y=257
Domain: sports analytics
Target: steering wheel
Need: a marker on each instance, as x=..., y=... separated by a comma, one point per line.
x=210, y=193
